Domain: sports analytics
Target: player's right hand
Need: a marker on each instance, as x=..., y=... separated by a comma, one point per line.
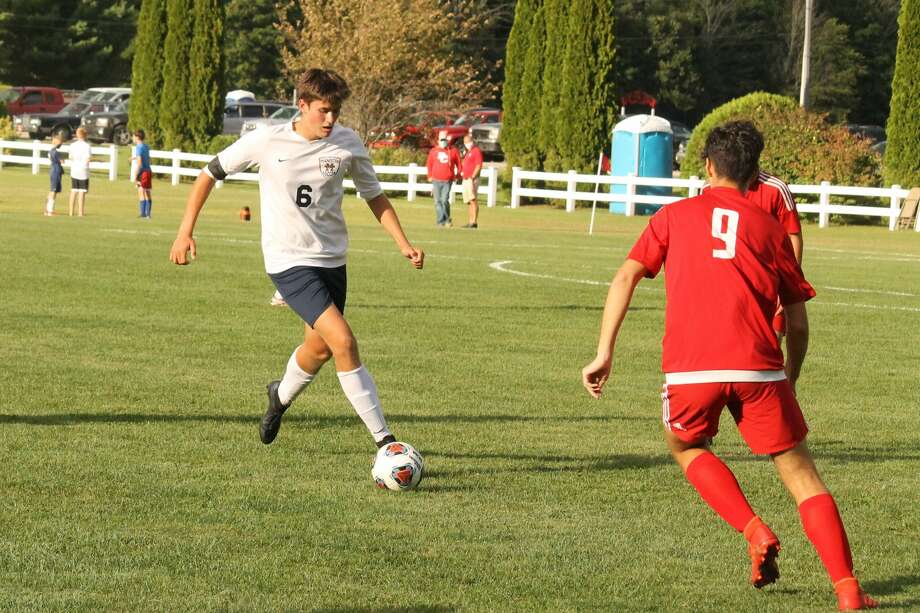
x=181, y=248
x=595, y=375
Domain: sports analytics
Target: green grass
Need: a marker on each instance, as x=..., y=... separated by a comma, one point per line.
x=132, y=478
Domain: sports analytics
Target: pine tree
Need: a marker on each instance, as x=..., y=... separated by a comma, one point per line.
x=552, y=124
x=587, y=104
x=174, y=105
x=147, y=70
x=902, y=154
x=532, y=154
x=206, y=71
x=518, y=135
x=252, y=48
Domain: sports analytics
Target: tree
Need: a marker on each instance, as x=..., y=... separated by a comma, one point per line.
x=252, y=48
x=521, y=109
x=902, y=154
x=588, y=104
x=147, y=70
x=552, y=126
x=174, y=105
x=206, y=71
x=395, y=56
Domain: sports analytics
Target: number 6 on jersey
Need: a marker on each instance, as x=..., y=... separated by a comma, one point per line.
x=729, y=235
x=304, y=199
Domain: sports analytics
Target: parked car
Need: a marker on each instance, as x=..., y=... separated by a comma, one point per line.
x=19, y=100
x=67, y=120
x=486, y=137
x=282, y=115
x=872, y=133
x=237, y=113
x=458, y=129
x=108, y=126
x=416, y=132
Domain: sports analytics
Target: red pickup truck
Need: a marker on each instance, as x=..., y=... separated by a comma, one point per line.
x=458, y=129
x=29, y=99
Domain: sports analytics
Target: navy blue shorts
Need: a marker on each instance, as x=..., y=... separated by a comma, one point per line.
x=55, y=183
x=309, y=290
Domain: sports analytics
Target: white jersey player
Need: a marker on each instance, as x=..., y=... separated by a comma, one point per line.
x=304, y=238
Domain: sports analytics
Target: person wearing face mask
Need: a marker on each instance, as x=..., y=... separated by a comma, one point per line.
x=443, y=169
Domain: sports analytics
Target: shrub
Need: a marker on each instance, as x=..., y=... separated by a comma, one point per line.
x=219, y=143
x=800, y=146
x=6, y=128
x=399, y=156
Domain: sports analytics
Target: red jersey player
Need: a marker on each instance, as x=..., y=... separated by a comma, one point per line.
x=727, y=262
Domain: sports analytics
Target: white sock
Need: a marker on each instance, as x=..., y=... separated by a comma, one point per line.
x=294, y=381
x=361, y=391
x=49, y=206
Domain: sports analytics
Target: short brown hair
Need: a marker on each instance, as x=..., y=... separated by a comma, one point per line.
x=734, y=149
x=320, y=84
x=81, y=133
x=139, y=133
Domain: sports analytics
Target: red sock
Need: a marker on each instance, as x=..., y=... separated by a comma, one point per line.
x=824, y=528
x=719, y=488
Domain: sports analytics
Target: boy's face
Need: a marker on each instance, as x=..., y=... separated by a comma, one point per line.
x=317, y=118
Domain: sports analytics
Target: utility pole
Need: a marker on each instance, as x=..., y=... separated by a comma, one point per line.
x=806, y=55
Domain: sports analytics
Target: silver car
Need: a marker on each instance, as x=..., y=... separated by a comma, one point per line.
x=486, y=136
x=282, y=115
x=237, y=113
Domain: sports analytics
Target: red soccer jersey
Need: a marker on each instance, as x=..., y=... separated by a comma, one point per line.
x=443, y=164
x=471, y=160
x=773, y=196
x=725, y=264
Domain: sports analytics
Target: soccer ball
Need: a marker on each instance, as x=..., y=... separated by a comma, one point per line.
x=398, y=467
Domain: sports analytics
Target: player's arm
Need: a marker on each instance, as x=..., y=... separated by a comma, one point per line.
x=184, y=242
x=595, y=374
x=796, y=340
x=797, y=246
x=386, y=215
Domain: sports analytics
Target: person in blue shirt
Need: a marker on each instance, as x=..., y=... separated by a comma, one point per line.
x=56, y=173
x=142, y=174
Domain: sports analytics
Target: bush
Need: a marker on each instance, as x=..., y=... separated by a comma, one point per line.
x=6, y=128
x=219, y=143
x=399, y=156
x=800, y=146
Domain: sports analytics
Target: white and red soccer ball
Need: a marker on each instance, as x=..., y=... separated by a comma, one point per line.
x=398, y=467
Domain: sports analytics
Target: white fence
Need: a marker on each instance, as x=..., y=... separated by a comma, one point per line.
x=37, y=157
x=600, y=193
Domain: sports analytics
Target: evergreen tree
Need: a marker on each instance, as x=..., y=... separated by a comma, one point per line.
x=532, y=95
x=902, y=154
x=206, y=71
x=588, y=105
x=552, y=124
x=514, y=138
x=252, y=48
x=147, y=70
x=175, y=105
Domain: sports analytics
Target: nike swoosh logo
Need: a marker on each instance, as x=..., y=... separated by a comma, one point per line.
x=280, y=160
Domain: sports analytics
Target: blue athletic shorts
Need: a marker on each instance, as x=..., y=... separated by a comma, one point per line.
x=309, y=290
x=56, y=182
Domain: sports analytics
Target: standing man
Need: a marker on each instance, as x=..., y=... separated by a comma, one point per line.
x=78, y=159
x=304, y=238
x=472, y=166
x=55, y=173
x=443, y=169
x=726, y=263
x=142, y=174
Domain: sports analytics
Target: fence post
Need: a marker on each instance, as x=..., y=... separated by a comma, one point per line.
x=630, y=194
x=693, y=191
x=824, y=200
x=175, y=167
x=36, y=156
x=895, y=208
x=492, y=196
x=515, y=187
x=570, y=192
x=1, y=154
x=113, y=162
x=410, y=193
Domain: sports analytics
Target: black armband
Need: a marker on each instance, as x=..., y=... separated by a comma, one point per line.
x=217, y=171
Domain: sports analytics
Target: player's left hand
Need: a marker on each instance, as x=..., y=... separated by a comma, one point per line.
x=416, y=256
x=595, y=375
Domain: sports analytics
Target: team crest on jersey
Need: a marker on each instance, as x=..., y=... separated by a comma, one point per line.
x=329, y=166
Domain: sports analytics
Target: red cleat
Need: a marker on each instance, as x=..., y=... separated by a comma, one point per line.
x=763, y=548
x=850, y=596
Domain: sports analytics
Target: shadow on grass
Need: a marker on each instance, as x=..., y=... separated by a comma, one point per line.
x=549, y=462
x=892, y=587
x=71, y=419
x=838, y=454
x=513, y=307
x=407, y=609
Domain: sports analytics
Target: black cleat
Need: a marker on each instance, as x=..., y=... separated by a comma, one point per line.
x=389, y=438
x=271, y=421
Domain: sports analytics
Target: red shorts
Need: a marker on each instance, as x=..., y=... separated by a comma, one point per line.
x=779, y=320
x=767, y=414
x=145, y=179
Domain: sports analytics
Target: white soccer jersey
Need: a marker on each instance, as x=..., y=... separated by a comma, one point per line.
x=78, y=158
x=300, y=188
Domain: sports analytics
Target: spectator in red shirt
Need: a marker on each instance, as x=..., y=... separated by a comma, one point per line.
x=726, y=263
x=443, y=169
x=472, y=166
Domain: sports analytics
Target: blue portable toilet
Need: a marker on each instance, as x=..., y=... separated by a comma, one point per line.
x=641, y=144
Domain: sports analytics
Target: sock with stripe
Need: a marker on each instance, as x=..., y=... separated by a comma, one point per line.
x=719, y=488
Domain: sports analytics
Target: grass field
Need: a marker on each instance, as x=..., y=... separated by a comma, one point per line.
x=132, y=477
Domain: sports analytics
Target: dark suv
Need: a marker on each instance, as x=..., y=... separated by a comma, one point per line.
x=238, y=113
x=108, y=126
x=65, y=122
